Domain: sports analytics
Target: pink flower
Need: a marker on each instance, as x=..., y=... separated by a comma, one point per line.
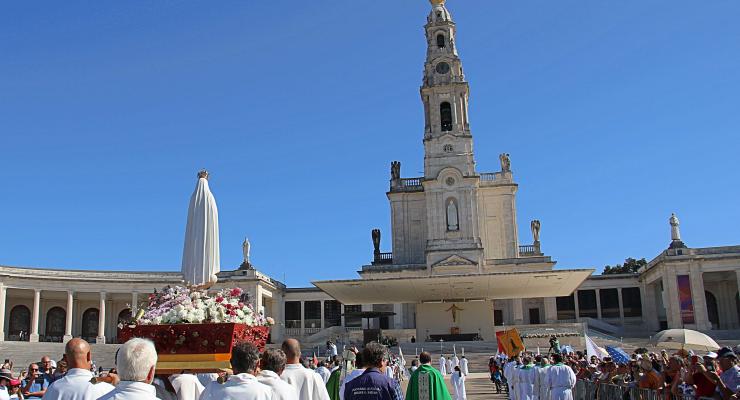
x=235, y=292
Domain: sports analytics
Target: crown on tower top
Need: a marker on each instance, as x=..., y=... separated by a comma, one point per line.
x=203, y=174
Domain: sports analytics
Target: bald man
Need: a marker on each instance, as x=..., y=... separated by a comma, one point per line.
x=76, y=385
x=307, y=383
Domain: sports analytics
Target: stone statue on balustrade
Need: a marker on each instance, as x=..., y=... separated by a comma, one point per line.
x=246, y=247
x=376, y=241
x=535, y=226
x=505, y=162
x=395, y=170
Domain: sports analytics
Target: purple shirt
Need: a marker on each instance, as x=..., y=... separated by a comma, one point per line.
x=373, y=385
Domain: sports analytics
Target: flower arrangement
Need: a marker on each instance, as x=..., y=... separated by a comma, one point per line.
x=186, y=305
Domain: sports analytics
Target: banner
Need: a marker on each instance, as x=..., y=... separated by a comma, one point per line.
x=592, y=349
x=685, y=301
x=509, y=342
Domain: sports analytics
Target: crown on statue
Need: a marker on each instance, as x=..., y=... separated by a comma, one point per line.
x=203, y=174
x=437, y=2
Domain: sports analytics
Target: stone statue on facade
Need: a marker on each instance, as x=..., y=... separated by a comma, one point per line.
x=505, y=162
x=395, y=170
x=246, y=246
x=676, y=242
x=535, y=225
x=376, y=241
x=453, y=223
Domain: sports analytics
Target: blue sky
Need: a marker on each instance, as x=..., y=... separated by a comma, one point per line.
x=615, y=115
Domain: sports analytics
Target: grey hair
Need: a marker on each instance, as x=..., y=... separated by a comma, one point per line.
x=135, y=358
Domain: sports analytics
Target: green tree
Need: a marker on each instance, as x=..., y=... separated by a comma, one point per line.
x=630, y=266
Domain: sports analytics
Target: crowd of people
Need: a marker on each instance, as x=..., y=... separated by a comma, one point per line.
x=682, y=375
x=273, y=374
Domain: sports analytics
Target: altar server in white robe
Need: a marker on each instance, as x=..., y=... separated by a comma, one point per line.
x=455, y=361
x=464, y=365
x=442, y=365
x=560, y=379
x=272, y=364
x=136, y=362
x=543, y=392
x=525, y=378
x=187, y=386
x=76, y=385
x=307, y=383
x=458, y=383
x=510, y=375
x=449, y=366
x=243, y=384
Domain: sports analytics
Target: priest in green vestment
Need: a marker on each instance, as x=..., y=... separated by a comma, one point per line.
x=334, y=383
x=426, y=383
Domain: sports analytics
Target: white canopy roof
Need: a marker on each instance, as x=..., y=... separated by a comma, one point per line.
x=492, y=286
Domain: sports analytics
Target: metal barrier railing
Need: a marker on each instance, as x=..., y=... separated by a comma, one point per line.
x=587, y=390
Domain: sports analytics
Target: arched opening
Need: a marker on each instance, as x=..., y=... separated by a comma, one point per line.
x=445, y=114
x=90, y=324
x=124, y=316
x=712, y=309
x=56, y=319
x=20, y=323
x=441, y=41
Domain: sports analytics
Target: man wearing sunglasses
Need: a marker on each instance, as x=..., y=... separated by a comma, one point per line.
x=35, y=384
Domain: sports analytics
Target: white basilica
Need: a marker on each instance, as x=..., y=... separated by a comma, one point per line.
x=456, y=272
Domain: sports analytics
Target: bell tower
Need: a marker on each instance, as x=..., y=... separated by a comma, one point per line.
x=445, y=94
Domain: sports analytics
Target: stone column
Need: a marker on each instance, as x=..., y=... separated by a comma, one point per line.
x=518, y=311
x=701, y=316
x=398, y=318
x=621, y=306
x=34, y=336
x=303, y=317
x=342, y=317
x=598, y=304
x=575, y=303
x=323, y=324
x=100, y=339
x=670, y=299
x=649, y=311
x=134, y=303
x=551, y=310
x=367, y=322
x=3, y=304
x=68, y=320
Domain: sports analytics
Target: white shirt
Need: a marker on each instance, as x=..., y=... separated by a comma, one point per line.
x=352, y=375
x=127, y=390
x=333, y=349
x=206, y=378
x=281, y=390
x=324, y=373
x=307, y=383
x=240, y=386
x=187, y=386
x=4, y=393
x=75, y=385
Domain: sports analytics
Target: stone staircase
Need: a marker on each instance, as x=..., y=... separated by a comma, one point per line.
x=24, y=353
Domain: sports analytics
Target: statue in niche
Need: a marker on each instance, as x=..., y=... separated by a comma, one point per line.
x=535, y=226
x=376, y=241
x=395, y=170
x=505, y=162
x=452, y=217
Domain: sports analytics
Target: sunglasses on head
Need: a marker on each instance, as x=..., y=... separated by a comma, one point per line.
x=34, y=369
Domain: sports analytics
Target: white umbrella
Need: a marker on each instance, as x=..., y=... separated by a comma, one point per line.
x=684, y=339
x=200, y=256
